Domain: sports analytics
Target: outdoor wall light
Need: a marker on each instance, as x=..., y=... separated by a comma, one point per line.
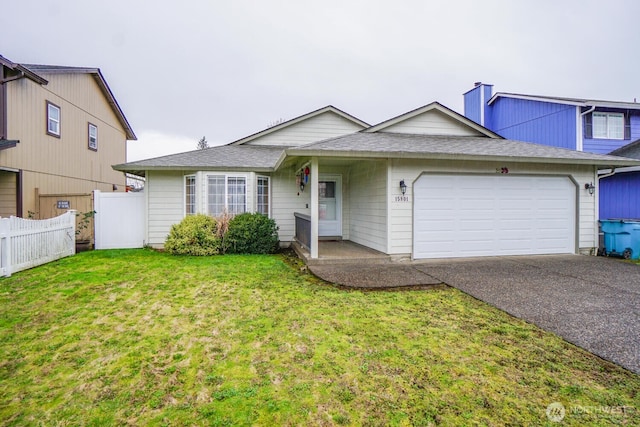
x=590, y=188
x=403, y=186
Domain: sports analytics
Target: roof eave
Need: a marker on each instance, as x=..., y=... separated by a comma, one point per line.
x=576, y=102
x=535, y=98
x=25, y=71
x=464, y=157
x=133, y=168
x=111, y=99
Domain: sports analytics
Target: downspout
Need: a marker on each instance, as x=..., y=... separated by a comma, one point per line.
x=580, y=135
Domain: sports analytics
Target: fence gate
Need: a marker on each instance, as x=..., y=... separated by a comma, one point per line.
x=119, y=220
x=53, y=205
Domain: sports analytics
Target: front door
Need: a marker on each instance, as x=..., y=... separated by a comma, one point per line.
x=330, y=205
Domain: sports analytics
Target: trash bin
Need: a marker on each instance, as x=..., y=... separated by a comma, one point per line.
x=621, y=237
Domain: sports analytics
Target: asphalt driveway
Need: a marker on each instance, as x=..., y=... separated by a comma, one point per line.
x=593, y=302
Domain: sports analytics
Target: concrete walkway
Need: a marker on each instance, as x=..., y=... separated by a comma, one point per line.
x=593, y=302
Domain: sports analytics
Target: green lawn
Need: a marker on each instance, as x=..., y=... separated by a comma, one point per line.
x=144, y=338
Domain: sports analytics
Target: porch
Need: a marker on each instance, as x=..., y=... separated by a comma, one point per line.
x=337, y=200
x=340, y=252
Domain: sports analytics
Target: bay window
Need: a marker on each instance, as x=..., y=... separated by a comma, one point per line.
x=226, y=194
x=262, y=192
x=190, y=195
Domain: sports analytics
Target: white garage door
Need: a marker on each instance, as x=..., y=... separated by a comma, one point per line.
x=485, y=215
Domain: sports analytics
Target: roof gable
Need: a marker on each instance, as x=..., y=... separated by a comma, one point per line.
x=433, y=119
x=327, y=122
x=99, y=79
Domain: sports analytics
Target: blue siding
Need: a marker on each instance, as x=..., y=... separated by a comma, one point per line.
x=472, y=104
x=635, y=125
x=604, y=146
x=488, y=92
x=533, y=121
x=620, y=196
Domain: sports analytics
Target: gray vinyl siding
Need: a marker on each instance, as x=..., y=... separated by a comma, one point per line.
x=287, y=199
x=368, y=204
x=165, y=204
x=432, y=123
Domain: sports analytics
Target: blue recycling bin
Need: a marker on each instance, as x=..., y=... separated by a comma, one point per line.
x=621, y=237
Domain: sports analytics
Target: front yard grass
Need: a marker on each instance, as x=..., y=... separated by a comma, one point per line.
x=144, y=338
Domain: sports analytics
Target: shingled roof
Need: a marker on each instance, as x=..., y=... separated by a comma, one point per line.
x=372, y=145
x=396, y=145
x=256, y=158
x=631, y=150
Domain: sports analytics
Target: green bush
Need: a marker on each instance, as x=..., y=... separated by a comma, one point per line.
x=251, y=233
x=194, y=235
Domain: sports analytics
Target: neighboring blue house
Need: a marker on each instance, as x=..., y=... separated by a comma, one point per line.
x=602, y=127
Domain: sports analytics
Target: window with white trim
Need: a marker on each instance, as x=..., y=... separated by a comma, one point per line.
x=608, y=125
x=93, y=137
x=262, y=192
x=226, y=194
x=53, y=119
x=190, y=195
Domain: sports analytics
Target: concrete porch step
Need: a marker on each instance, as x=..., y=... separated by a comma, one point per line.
x=341, y=252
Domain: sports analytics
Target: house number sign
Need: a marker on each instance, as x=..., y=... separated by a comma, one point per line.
x=401, y=199
x=64, y=204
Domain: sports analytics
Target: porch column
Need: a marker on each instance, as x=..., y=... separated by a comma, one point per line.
x=314, y=207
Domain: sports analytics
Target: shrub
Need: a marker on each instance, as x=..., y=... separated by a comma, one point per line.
x=251, y=233
x=194, y=235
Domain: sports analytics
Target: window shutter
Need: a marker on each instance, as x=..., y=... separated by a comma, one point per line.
x=588, y=126
x=627, y=126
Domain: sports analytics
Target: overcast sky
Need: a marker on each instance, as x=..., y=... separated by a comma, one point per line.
x=185, y=69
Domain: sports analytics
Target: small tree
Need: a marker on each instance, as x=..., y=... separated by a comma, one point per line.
x=202, y=144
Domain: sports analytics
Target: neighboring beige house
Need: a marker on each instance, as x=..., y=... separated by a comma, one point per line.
x=429, y=183
x=61, y=129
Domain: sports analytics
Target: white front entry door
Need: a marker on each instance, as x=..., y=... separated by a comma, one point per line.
x=330, y=205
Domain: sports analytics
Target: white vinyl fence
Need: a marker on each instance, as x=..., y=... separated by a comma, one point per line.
x=26, y=243
x=119, y=220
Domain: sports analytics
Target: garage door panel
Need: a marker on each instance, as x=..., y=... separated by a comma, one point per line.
x=468, y=215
